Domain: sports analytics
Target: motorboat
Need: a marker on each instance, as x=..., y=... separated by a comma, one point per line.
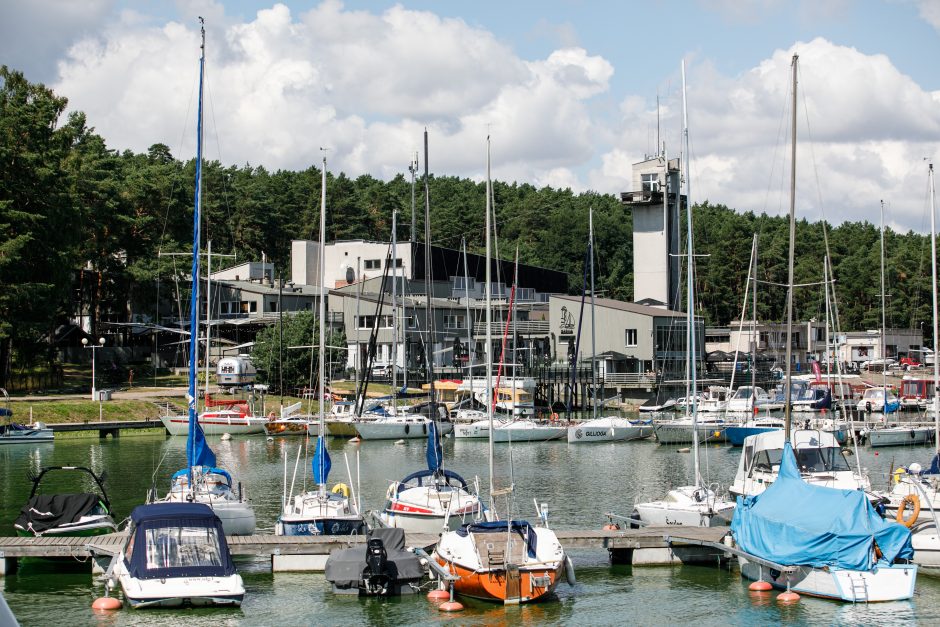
x=176, y=555
x=916, y=393
x=690, y=506
x=736, y=434
x=610, y=429
x=818, y=455
x=380, y=567
x=16, y=433
x=878, y=399
x=65, y=514
x=289, y=423
x=669, y=405
x=748, y=399
x=715, y=399
x=529, y=431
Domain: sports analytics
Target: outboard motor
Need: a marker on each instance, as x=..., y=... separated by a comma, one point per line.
x=375, y=574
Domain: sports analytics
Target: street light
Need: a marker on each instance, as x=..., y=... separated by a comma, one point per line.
x=93, y=347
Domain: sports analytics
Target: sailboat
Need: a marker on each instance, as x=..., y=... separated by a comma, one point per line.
x=175, y=553
x=506, y=561
x=607, y=428
x=695, y=505
x=434, y=499
x=319, y=512
x=201, y=481
x=813, y=539
x=913, y=487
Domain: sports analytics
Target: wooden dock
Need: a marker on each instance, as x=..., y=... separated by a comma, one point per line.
x=104, y=429
x=648, y=546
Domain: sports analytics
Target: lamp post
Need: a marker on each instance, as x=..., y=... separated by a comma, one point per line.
x=93, y=347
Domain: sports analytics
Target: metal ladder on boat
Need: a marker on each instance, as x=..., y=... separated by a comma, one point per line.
x=859, y=589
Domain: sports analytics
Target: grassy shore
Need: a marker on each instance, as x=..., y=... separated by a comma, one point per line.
x=59, y=411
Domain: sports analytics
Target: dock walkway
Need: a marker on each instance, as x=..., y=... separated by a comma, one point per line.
x=651, y=545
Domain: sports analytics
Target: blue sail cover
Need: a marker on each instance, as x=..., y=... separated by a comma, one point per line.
x=435, y=452
x=794, y=523
x=321, y=463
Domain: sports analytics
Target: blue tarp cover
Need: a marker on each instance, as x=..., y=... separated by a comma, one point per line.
x=205, y=470
x=321, y=463
x=434, y=454
x=794, y=523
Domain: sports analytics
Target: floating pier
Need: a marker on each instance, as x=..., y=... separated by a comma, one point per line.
x=104, y=429
x=648, y=546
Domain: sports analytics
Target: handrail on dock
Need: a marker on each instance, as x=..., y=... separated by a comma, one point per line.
x=732, y=551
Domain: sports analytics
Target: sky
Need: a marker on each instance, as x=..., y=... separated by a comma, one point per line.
x=571, y=92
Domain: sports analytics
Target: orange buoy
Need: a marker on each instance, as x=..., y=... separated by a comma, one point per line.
x=450, y=606
x=760, y=586
x=106, y=603
x=438, y=595
x=788, y=597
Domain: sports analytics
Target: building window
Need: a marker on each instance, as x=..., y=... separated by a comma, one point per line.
x=272, y=306
x=454, y=322
x=630, y=337
x=651, y=182
x=367, y=322
x=372, y=264
x=398, y=263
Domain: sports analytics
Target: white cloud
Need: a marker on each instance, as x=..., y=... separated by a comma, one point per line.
x=930, y=11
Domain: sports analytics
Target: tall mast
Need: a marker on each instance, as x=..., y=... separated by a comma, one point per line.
x=322, y=312
x=194, y=297
x=884, y=357
x=429, y=347
x=209, y=309
x=754, y=336
x=466, y=288
x=593, y=335
x=413, y=168
x=690, y=285
x=488, y=349
x=394, y=302
x=933, y=265
x=789, y=352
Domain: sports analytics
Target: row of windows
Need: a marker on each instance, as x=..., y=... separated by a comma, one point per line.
x=375, y=264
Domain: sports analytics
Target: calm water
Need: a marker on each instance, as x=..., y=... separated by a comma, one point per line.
x=579, y=483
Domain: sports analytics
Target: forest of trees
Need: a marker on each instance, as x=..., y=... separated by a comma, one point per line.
x=69, y=202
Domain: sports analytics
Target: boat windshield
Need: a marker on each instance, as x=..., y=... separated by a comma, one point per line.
x=812, y=459
x=182, y=547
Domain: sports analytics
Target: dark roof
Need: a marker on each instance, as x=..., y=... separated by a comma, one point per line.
x=620, y=305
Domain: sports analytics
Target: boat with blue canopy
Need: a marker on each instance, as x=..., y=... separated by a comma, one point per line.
x=176, y=555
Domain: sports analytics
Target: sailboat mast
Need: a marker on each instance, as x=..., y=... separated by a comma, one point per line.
x=754, y=336
x=194, y=297
x=789, y=351
x=690, y=284
x=933, y=265
x=322, y=313
x=488, y=349
x=394, y=302
x=429, y=347
x=593, y=335
x=466, y=288
x=884, y=357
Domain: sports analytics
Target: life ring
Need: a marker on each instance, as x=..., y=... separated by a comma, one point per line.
x=554, y=417
x=898, y=473
x=341, y=488
x=913, y=500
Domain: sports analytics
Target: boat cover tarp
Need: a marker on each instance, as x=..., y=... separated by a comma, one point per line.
x=174, y=516
x=434, y=454
x=204, y=470
x=321, y=463
x=47, y=511
x=795, y=523
x=344, y=567
x=521, y=527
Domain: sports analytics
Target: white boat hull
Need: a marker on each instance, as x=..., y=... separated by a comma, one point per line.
x=534, y=434
x=667, y=433
x=179, y=425
x=179, y=591
x=900, y=436
x=608, y=430
x=686, y=506
x=27, y=436
x=378, y=430
x=888, y=583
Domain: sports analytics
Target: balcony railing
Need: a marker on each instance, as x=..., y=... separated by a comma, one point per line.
x=522, y=327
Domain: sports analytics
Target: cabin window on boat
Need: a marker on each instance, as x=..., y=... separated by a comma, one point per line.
x=630, y=337
x=828, y=459
x=181, y=547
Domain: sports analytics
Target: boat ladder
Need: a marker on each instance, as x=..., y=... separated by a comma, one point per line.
x=859, y=588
